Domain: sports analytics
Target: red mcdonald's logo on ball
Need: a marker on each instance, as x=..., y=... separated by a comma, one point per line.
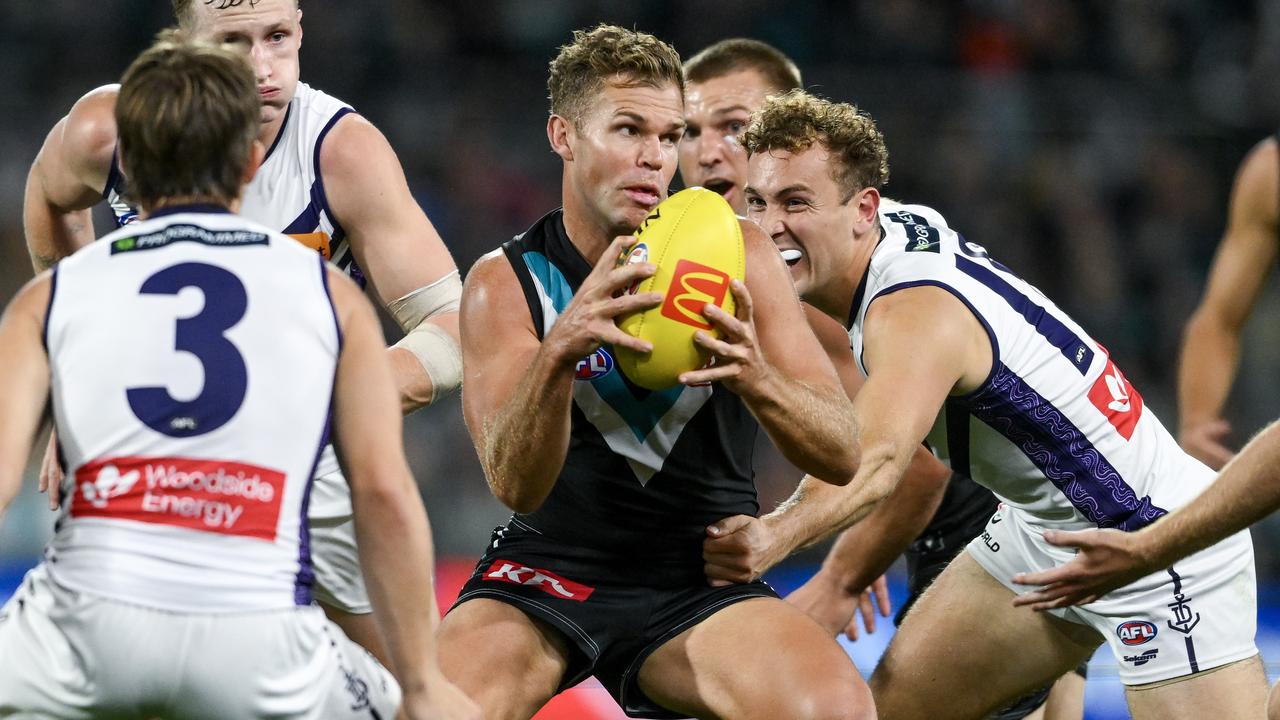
x=693, y=286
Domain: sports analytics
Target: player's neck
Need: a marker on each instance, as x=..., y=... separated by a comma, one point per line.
x=587, y=233
x=193, y=201
x=836, y=298
x=270, y=130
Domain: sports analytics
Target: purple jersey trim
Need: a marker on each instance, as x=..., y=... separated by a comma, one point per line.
x=1061, y=451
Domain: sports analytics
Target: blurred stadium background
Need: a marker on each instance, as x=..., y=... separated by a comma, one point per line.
x=1090, y=145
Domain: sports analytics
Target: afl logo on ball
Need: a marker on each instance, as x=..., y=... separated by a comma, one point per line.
x=596, y=365
x=638, y=253
x=1136, y=632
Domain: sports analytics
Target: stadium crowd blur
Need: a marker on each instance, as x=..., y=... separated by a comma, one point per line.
x=1088, y=145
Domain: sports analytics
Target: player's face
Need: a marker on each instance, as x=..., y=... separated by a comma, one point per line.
x=717, y=112
x=624, y=153
x=269, y=32
x=793, y=197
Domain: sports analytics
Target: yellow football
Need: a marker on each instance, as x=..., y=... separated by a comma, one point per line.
x=694, y=239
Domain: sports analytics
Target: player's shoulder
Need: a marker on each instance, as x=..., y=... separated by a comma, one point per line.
x=491, y=271
x=89, y=130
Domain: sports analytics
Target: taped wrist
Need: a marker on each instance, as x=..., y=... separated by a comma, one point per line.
x=436, y=350
x=439, y=355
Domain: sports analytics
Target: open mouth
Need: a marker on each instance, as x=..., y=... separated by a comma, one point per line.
x=718, y=185
x=791, y=256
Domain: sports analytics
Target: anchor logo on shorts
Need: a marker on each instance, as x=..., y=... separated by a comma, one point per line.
x=1184, y=620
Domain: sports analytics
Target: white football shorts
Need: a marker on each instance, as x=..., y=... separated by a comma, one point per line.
x=338, y=582
x=1200, y=614
x=71, y=655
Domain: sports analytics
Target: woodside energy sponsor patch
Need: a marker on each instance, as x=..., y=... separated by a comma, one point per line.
x=218, y=496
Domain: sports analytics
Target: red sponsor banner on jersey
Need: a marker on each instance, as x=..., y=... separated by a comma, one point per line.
x=1117, y=399
x=693, y=286
x=510, y=571
x=216, y=496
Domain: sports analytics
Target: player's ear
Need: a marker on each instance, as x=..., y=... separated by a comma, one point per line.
x=299, y=27
x=256, y=155
x=561, y=135
x=866, y=203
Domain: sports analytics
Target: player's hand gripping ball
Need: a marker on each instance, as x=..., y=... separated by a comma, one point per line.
x=695, y=240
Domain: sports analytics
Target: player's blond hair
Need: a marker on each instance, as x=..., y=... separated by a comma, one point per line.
x=608, y=53
x=794, y=121
x=187, y=115
x=735, y=54
x=184, y=10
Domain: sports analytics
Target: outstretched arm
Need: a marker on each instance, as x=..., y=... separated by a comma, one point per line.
x=1211, y=342
x=1247, y=491
x=517, y=390
x=407, y=264
x=742, y=549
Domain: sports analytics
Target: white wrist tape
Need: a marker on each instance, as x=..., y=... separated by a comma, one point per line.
x=435, y=348
x=441, y=296
x=440, y=356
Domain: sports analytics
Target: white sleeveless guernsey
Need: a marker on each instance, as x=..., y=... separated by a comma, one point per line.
x=287, y=195
x=193, y=357
x=1056, y=431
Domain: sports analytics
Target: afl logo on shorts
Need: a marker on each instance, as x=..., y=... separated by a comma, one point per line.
x=596, y=365
x=1136, y=632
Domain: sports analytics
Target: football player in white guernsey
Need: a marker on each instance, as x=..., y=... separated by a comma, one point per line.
x=178, y=582
x=958, y=350
x=331, y=181
x=930, y=515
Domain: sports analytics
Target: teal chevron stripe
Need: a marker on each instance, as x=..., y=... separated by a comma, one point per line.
x=641, y=415
x=551, y=278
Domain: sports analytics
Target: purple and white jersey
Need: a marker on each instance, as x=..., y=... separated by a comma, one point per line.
x=1056, y=430
x=192, y=358
x=287, y=195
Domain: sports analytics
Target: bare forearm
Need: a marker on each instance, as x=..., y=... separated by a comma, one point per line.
x=394, y=541
x=53, y=234
x=865, y=551
x=526, y=443
x=815, y=429
x=1210, y=355
x=817, y=509
x=1247, y=490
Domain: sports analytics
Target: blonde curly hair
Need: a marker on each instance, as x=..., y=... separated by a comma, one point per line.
x=794, y=121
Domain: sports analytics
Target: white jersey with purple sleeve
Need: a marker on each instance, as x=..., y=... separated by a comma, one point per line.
x=1056, y=430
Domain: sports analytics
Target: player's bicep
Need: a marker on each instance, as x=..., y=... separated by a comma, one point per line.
x=391, y=237
x=498, y=340
x=920, y=345
x=782, y=330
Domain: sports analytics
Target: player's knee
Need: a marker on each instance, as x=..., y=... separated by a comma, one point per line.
x=837, y=701
x=1273, y=703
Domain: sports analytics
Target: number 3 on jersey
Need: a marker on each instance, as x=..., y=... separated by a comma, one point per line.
x=203, y=335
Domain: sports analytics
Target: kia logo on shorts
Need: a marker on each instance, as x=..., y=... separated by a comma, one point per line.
x=596, y=365
x=1136, y=632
